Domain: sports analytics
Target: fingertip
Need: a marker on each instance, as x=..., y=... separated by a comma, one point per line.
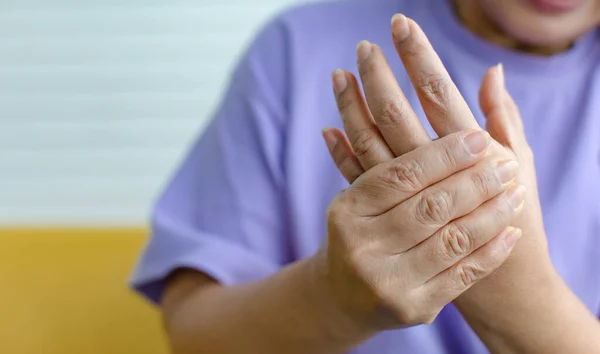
x=339, y=80
x=499, y=80
x=331, y=140
x=500, y=75
x=364, y=49
x=400, y=27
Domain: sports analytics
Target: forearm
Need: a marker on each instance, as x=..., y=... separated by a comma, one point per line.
x=286, y=313
x=545, y=317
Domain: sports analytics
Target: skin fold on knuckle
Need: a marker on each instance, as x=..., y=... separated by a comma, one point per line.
x=363, y=141
x=435, y=89
x=469, y=273
x=404, y=176
x=456, y=242
x=390, y=113
x=434, y=208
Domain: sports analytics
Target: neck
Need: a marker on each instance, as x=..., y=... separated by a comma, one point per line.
x=475, y=19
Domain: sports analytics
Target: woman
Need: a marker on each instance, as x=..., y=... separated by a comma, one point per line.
x=255, y=250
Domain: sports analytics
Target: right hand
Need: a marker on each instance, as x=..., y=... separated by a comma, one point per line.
x=413, y=233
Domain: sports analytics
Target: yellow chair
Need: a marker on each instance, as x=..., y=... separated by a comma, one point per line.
x=65, y=292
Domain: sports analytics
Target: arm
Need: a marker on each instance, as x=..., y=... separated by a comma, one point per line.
x=362, y=281
x=285, y=313
x=544, y=317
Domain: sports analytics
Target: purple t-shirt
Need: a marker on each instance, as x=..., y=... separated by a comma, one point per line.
x=252, y=193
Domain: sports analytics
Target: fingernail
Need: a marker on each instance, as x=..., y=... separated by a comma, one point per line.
x=363, y=50
x=339, y=81
x=500, y=76
x=331, y=139
x=516, y=196
x=507, y=171
x=400, y=29
x=477, y=141
x=510, y=239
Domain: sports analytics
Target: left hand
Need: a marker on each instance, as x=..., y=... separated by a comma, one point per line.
x=384, y=126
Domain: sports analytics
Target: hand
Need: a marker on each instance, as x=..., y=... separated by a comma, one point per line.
x=384, y=126
x=414, y=232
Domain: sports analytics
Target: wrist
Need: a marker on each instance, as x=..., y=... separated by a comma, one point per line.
x=341, y=320
x=502, y=308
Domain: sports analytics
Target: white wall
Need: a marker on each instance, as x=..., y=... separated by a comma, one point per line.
x=99, y=100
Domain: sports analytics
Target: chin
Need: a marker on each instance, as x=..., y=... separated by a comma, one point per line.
x=538, y=35
x=531, y=26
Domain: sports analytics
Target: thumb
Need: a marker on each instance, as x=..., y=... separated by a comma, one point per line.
x=493, y=106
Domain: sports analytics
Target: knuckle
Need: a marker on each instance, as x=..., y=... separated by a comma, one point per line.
x=435, y=87
x=469, y=273
x=457, y=241
x=405, y=176
x=390, y=113
x=363, y=142
x=337, y=210
x=434, y=208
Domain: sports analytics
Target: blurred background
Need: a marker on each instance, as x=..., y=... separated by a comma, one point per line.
x=99, y=100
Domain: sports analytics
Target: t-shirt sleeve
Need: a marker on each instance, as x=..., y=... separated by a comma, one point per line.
x=223, y=213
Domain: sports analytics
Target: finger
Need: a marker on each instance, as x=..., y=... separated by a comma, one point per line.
x=397, y=121
x=493, y=89
x=389, y=184
x=519, y=142
x=342, y=154
x=509, y=103
x=443, y=104
x=452, y=198
x=493, y=103
x=451, y=283
x=463, y=236
x=517, y=122
x=369, y=146
x=503, y=120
